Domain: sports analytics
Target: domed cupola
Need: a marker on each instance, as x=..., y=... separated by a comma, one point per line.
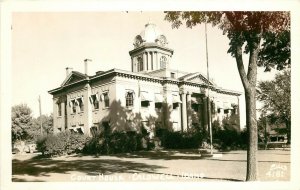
x=150, y=50
x=151, y=34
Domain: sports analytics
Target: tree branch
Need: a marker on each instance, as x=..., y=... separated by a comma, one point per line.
x=240, y=65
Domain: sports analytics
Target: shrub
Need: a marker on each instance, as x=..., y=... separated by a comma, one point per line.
x=51, y=145
x=192, y=138
x=75, y=142
x=115, y=142
x=61, y=143
x=118, y=143
x=228, y=137
x=94, y=145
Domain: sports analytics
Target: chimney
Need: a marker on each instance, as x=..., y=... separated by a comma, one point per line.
x=86, y=71
x=68, y=71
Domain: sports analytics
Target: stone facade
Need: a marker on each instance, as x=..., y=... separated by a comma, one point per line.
x=151, y=94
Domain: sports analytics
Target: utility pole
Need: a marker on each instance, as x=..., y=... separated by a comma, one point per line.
x=208, y=98
x=40, y=108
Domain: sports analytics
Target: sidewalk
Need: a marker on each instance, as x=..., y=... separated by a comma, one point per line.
x=172, y=165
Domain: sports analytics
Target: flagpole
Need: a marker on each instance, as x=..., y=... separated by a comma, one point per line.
x=208, y=106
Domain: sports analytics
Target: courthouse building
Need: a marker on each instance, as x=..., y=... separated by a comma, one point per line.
x=151, y=94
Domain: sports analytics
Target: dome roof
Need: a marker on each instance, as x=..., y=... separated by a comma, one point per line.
x=151, y=34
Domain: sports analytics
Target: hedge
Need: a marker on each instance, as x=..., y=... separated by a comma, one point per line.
x=61, y=143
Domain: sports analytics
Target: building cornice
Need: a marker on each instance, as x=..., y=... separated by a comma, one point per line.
x=150, y=45
x=143, y=77
x=229, y=92
x=61, y=88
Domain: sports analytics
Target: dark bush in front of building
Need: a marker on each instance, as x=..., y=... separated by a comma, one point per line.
x=115, y=142
x=228, y=137
x=192, y=138
x=61, y=143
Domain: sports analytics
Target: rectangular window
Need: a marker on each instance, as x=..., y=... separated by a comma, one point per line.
x=145, y=104
x=212, y=108
x=219, y=110
x=95, y=101
x=129, y=99
x=172, y=75
x=73, y=106
x=145, y=99
x=80, y=104
x=80, y=130
x=234, y=111
x=226, y=111
x=72, y=131
x=106, y=99
x=94, y=131
x=59, y=109
x=158, y=105
x=176, y=101
x=175, y=105
x=195, y=107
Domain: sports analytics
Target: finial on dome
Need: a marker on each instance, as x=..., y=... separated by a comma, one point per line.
x=150, y=22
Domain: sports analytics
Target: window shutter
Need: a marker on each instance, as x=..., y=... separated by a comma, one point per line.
x=91, y=99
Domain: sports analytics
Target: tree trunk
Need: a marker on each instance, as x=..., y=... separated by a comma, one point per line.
x=249, y=83
x=252, y=135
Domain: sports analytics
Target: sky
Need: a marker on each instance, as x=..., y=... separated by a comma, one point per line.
x=45, y=43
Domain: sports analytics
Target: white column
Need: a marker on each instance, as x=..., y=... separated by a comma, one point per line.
x=189, y=107
x=148, y=61
x=144, y=62
x=152, y=60
x=63, y=115
x=157, y=65
x=184, y=112
x=88, y=112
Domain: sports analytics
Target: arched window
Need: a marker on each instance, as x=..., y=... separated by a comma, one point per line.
x=129, y=99
x=163, y=62
x=140, y=66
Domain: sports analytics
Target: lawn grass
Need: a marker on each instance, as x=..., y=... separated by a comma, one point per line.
x=177, y=165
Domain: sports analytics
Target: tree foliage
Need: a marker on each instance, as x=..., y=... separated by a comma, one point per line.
x=34, y=131
x=21, y=120
x=47, y=123
x=27, y=128
x=271, y=30
x=265, y=36
x=276, y=98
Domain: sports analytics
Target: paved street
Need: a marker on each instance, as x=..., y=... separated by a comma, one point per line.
x=172, y=165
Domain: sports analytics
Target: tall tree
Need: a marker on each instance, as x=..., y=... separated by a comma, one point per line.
x=276, y=98
x=262, y=35
x=35, y=130
x=21, y=120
